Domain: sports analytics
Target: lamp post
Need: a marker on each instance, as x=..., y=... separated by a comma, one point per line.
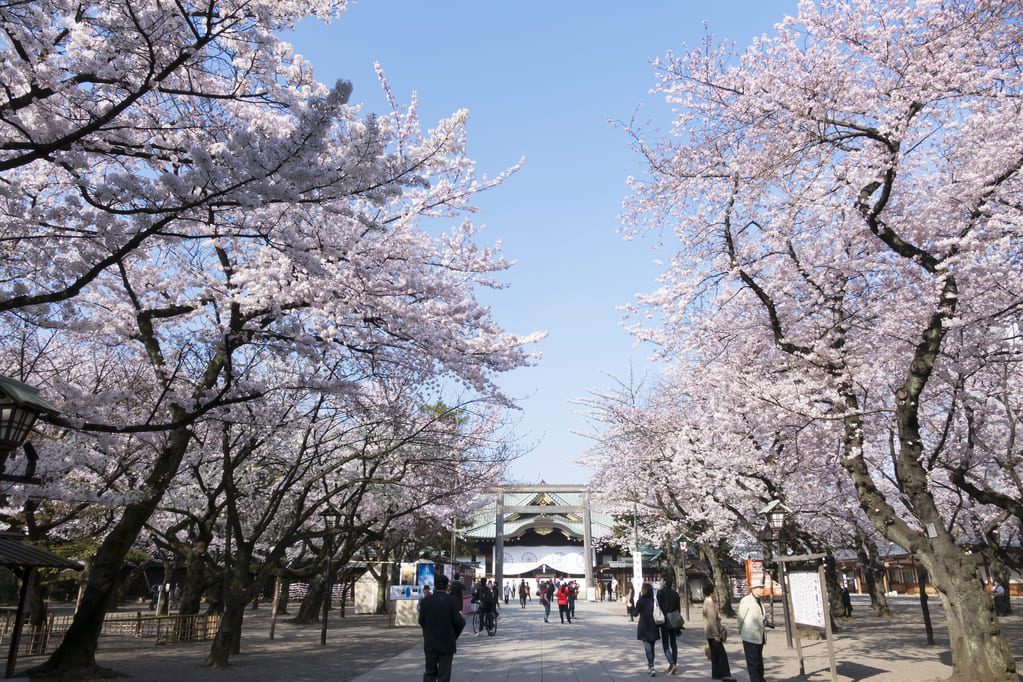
x=777, y=513
x=20, y=405
x=330, y=512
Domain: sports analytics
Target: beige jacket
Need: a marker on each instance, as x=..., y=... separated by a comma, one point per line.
x=711, y=618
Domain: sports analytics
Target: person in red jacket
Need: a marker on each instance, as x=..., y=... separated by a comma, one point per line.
x=563, y=603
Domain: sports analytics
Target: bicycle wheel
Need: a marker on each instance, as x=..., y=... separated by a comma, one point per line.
x=491, y=624
x=475, y=621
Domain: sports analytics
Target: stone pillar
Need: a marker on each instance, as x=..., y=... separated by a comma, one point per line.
x=587, y=544
x=499, y=545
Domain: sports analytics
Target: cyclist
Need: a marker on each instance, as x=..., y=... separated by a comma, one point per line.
x=486, y=603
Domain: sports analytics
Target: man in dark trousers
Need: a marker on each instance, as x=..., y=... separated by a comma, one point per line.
x=442, y=623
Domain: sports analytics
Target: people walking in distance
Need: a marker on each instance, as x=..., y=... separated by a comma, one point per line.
x=507, y=593
x=647, y=631
x=630, y=598
x=441, y=620
x=1001, y=599
x=846, y=601
x=669, y=601
x=714, y=631
x=522, y=593
x=752, y=631
x=573, y=594
x=563, y=603
x=545, y=601
x=529, y=595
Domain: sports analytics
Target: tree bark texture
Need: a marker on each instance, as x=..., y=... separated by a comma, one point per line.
x=873, y=570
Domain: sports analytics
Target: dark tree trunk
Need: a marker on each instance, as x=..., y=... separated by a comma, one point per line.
x=722, y=590
x=129, y=580
x=282, y=598
x=381, y=597
x=36, y=615
x=309, y=607
x=873, y=570
x=921, y=582
x=226, y=642
x=834, y=589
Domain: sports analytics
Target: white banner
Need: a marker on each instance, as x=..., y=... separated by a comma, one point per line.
x=519, y=560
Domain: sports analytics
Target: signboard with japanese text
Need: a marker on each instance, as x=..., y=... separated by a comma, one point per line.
x=807, y=599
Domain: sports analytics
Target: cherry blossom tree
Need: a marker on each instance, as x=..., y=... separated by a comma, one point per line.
x=187, y=202
x=844, y=194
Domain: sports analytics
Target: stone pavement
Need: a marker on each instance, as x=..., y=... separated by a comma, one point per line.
x=599, y=645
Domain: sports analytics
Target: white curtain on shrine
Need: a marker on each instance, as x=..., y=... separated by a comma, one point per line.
x=524, y=559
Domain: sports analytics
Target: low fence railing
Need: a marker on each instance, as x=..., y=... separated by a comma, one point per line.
x=162, y=629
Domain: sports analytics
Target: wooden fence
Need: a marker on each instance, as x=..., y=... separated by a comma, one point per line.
x=162, y=629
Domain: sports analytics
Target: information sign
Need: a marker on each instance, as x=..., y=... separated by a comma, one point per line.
x=807, y=600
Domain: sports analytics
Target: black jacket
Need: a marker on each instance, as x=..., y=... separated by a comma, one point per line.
x=442, y=622
x=668, y=600
x=646, y=629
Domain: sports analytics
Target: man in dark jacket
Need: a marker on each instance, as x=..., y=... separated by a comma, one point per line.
x=442, y=623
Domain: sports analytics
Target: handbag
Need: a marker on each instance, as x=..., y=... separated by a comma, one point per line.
x=706, y=650
x=675, y=620
x=658, y=614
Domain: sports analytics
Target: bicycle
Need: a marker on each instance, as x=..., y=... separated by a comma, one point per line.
x=476, y=624
x=491, y=623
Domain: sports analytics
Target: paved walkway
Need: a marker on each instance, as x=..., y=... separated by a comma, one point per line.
x=599, y=645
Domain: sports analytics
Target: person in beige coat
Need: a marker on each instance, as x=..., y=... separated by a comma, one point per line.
x=719, y=668
x=751, y=630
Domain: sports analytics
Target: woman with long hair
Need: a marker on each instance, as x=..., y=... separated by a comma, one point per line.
x=647, y=631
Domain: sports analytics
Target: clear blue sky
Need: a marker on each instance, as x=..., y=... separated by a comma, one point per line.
x=540, y=79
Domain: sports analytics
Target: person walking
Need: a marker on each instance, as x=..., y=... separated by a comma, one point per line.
x=442, y=623
x=545, y=600
x=522, y=593
x=647, y=631
x=507, y=593
x=573, y=594
x=563, y=603
x=668, y=600
x=630, y=597
x=751, y=631
x=846, y=601
x=714, y=631
x=458, y=593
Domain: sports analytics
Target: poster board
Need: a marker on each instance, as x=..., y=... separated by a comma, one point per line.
x=425, y=573
x=408, y=573
x=405, y=592
x=755, y=573
x=807, y=599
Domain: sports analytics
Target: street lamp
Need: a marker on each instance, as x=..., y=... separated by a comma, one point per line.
x=20, y=405
x=330, y=512
x=777, y=513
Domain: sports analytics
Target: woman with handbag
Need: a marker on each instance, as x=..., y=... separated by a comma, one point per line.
x=647, y=631
x=715, y=633
x=671, y=607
